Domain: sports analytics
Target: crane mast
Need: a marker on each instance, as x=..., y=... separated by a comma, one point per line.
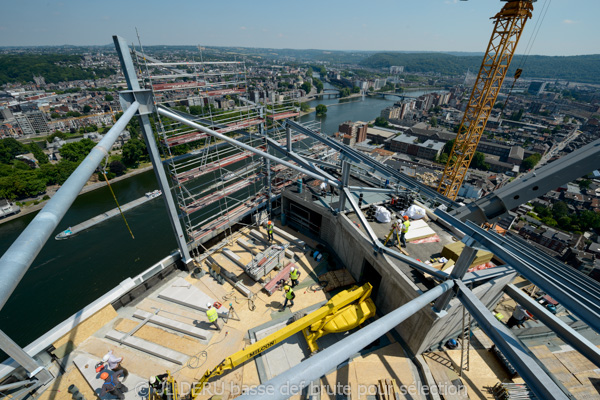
x=509, y=24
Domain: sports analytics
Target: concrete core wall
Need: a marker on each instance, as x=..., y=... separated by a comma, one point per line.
x=425, y=328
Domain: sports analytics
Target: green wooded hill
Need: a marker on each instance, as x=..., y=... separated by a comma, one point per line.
x=53, y=67
x=572, y=68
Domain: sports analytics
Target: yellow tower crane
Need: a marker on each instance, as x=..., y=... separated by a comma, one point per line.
x=509, y=24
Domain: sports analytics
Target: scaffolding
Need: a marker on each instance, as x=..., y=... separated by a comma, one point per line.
x=215, y=184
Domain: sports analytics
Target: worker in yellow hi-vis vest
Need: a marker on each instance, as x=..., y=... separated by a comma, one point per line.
x=289, y=296
x=212, y=315
x=405, y=225
x=270, y=230
x=294, y=275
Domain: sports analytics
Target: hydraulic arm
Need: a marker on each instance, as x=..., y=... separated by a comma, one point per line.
x=344, y=311
x=508, y=27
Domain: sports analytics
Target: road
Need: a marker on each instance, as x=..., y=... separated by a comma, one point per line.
x=557, y=148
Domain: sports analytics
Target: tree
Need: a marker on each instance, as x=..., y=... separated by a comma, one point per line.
x=9, y=148
x=306, y=86
x=39, y=155
x=559, y=209
x=86, y=109
x=584, y=184
x=448, y=146
x=531, y=161
x=355, y=89
x=77, y=151
x=134, y=151
x=516, y=116
x=117, y=168
x=21, y=184
x=321, y=109
x=478, y=161
x=433, y=122
x=380, y=121
x=443, y=158
x=318, y=84
x=304, y=107
x=109, y=97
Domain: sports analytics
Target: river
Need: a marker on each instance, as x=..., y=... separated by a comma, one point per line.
x=69, y=274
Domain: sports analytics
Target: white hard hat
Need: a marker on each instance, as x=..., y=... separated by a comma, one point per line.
x=293, y=269
x=106, y=357
x=152, y=379
x=208, y=305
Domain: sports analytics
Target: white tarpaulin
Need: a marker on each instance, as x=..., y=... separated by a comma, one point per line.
x=383, y=215
x=415, y=212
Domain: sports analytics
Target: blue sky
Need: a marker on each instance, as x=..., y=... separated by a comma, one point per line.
x=570, y=27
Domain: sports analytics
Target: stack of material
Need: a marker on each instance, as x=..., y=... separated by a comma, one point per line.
x=284, y=274
x=388, y=390
x=419, y=230
x=506, y=390
x=336, y=279
x=428, y=178
x=265, y=262
x=453, y=250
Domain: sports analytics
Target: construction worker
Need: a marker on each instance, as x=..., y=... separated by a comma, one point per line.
x=212, y=315
x=405, y=225
x=394, y=232
x=289, y=295
x=157, y=384
x=294, y=275
x=112, y=385
x=270, y=230
x=114, y=363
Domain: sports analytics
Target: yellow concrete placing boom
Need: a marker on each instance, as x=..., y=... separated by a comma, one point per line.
x=344, y=311
x=508, y=27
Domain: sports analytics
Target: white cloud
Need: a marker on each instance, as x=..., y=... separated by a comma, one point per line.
x=451, y=1
x=243, y=28
x=569, y=21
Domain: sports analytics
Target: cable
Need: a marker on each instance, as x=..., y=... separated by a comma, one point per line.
x=118, y=206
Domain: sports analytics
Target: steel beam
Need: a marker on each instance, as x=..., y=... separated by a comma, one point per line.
x=564, y=331
x=292, y=381
x=517, y=354
x=18, y=258
x=148, y=133
x=578, y=299
x=344, y=195
x=358, y=157
x=466, y=258
x=533, y=254
x=428, y=269
x=532, y=185
x=25, y=360
x=372, y=190
x=306, y=163
x=167, y=113
x=16, y=385
x=288, y=135
x=361, y=217
x=487, y=274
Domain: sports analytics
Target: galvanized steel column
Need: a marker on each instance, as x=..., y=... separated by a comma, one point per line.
x=159, y=171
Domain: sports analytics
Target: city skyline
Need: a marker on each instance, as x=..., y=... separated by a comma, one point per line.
x=437, y=26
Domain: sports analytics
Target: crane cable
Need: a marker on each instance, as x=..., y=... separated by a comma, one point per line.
x=103, y=170
x=528, y=47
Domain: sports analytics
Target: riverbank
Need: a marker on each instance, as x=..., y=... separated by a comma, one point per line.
x=90, y=186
